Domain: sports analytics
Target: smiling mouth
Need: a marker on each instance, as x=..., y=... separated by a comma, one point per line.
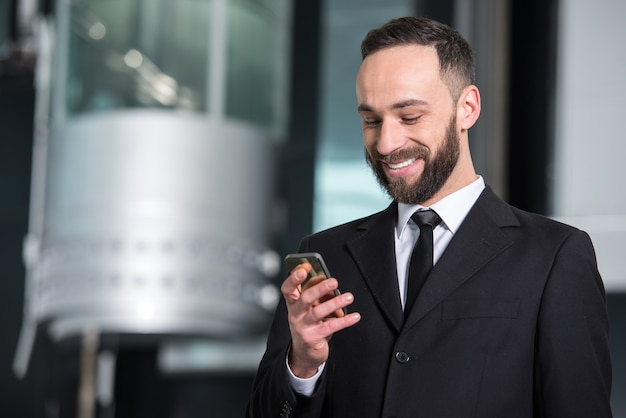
x=402, y=164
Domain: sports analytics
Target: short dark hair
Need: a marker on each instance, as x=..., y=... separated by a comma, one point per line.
x=456, y=58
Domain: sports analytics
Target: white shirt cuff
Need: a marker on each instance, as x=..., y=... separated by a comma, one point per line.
x=306, y=386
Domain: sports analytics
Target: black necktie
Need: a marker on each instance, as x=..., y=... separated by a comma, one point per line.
x=422, y=257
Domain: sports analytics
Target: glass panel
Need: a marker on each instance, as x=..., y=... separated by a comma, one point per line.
x=5, y=25
x=257, y=62
x=137, y=53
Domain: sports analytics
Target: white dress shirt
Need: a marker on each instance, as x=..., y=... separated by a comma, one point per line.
x=452, y=210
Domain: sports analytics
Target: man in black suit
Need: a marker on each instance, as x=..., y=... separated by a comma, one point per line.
x=512, y=319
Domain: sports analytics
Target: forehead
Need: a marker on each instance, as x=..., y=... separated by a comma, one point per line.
x=400, y=73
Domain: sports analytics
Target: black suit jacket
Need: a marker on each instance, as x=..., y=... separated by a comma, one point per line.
x=512, y=322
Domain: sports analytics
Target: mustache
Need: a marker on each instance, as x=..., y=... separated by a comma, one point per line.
x=417, y=151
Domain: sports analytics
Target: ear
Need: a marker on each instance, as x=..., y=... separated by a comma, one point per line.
x=468, y=107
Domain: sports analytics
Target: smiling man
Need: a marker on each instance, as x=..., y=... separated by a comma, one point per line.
x=511, y=320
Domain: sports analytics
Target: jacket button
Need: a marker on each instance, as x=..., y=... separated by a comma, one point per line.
x=402, y=357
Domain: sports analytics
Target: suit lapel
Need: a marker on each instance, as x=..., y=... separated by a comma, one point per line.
x=373, y=250
x=478, y=240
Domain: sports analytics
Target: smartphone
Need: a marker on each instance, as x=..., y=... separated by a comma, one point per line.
x=318, y=272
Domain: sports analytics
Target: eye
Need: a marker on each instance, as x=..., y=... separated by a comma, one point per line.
x=369, y=122
x=409, y=120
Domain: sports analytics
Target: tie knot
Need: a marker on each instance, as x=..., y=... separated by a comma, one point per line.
x=426, y=217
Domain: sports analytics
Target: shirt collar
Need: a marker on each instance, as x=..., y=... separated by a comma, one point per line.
x=452, y=209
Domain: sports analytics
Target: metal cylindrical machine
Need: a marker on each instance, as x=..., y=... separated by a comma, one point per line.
x=153, y=182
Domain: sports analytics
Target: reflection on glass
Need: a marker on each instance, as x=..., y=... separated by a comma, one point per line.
x=257, y=62
x=137, y=53
x=157, y=54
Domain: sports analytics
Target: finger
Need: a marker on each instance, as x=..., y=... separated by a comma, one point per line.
x=331, y=307
x=333, y=325
x=321, y=290
x=312, y=282
x=305, y=266
x=291, y=286
x=328, y=292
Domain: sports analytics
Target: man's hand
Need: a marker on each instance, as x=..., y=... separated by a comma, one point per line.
x=313, y=319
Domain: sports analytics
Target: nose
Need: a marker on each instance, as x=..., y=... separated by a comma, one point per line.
x=390, y=137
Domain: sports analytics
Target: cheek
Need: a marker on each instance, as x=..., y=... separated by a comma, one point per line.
x=423, y=134
x=429, y=133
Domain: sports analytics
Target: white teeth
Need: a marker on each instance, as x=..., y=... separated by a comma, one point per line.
x=402, y=164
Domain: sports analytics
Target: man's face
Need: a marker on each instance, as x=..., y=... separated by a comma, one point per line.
x=408, y=121
x=437, y=169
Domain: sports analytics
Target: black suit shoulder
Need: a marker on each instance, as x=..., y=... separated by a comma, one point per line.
x=532, y=225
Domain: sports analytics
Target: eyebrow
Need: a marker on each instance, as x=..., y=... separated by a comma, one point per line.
x=395, y=106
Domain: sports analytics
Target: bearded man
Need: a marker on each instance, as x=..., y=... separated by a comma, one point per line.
x=511, y=320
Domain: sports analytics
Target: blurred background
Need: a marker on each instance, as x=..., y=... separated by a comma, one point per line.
x=158, y=159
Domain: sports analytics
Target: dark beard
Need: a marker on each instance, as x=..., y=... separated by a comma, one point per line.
x=436, y=170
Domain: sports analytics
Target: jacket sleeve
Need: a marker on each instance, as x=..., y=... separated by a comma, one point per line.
x=573, y=367
x=271, y=394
